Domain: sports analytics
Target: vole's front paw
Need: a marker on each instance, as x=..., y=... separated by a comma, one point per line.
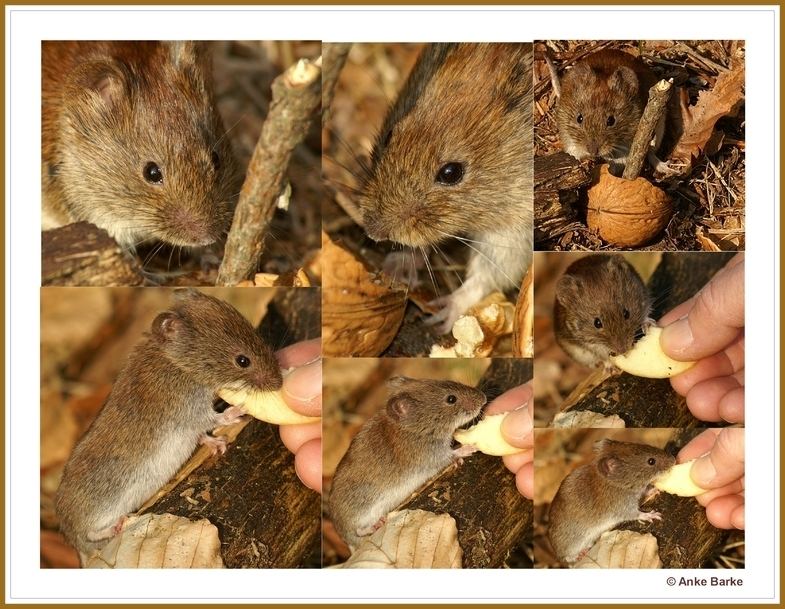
x=216, y=444
x=464, y=451
x=446, y=317
x=649, y=516
x=230, y=415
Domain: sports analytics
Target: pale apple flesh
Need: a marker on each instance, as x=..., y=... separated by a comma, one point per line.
x=647, y=359
x=266, y=406
x=677, y=481
x=487, y=437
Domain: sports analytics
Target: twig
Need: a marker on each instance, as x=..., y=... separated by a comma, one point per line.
x=296, y=97
x=659, y=95
x=334, y=55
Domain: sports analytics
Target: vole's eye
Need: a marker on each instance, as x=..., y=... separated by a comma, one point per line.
x=153, y=174
x=597, y=322
x=242, y=361
x=579, y=119
x=626, y=313
x=450, y=174
x=651, y=461
x=216, y=160
x=451, y=399
x=611, y=121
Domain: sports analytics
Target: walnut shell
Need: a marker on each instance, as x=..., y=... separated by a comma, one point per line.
x=627, y=213
x=361, y=311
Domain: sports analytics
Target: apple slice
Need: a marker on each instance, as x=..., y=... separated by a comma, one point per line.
x=487, y=436
x=677, y=481
x=647, y=358
x=266, y=406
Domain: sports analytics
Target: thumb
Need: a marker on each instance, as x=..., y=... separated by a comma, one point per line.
x=713, y=322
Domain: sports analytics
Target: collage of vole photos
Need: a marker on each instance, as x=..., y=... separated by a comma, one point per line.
x=314, y=305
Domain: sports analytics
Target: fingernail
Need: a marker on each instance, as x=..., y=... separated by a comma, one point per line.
x=677, y=337
x=304, y=383
x=518, y=426
x=703, y=472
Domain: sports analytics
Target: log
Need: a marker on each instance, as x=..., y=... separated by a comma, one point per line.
x=265, y=516
x=644, y=402
x=557, y=177
x=493, y=518
x=82, y=254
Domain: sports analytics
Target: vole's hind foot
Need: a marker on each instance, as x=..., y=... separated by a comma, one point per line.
x=649, y=516
x=216, y=444
x=111, y=531
x=230, y=415
x=363, y=531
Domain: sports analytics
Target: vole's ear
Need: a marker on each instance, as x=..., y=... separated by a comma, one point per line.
x=568, y=288
x=167, y=325
x=399, y=405
x=623, y=81
x=104, y=82
x=583, y=74
x=608, y=465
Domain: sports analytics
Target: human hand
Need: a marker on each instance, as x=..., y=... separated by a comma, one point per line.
x=518, y=430
x=709, y=328
x=719, y=468
x=302, y=391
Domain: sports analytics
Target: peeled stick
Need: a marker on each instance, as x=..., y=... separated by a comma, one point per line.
x=487, y=437
x=266, y=406
x=647, y=358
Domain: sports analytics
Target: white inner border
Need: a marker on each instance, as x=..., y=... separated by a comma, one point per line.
x=27, y=26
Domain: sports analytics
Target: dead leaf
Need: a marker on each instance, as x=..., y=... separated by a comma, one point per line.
x=155, y=541
x=410, y=539
x=712, y=105
x=361, y=312
x=587, y=418
x=622, y=550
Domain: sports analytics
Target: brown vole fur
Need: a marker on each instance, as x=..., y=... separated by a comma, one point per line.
x=601, y=307
x=397, y=450
x=133, y=143
x=601, y=103
x=160, y=407
x=599, y=495
x=454, y=159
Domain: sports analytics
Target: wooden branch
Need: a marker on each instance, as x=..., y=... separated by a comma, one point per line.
x=659, y=95
x=334, y=55
x=296, y=98
x=82, y=254
x=492, y=516
x=523, y=330
x=265, y=516
x=644, y=402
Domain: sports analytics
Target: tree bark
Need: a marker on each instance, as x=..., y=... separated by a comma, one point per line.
x=82, y=254
x=493, y=517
